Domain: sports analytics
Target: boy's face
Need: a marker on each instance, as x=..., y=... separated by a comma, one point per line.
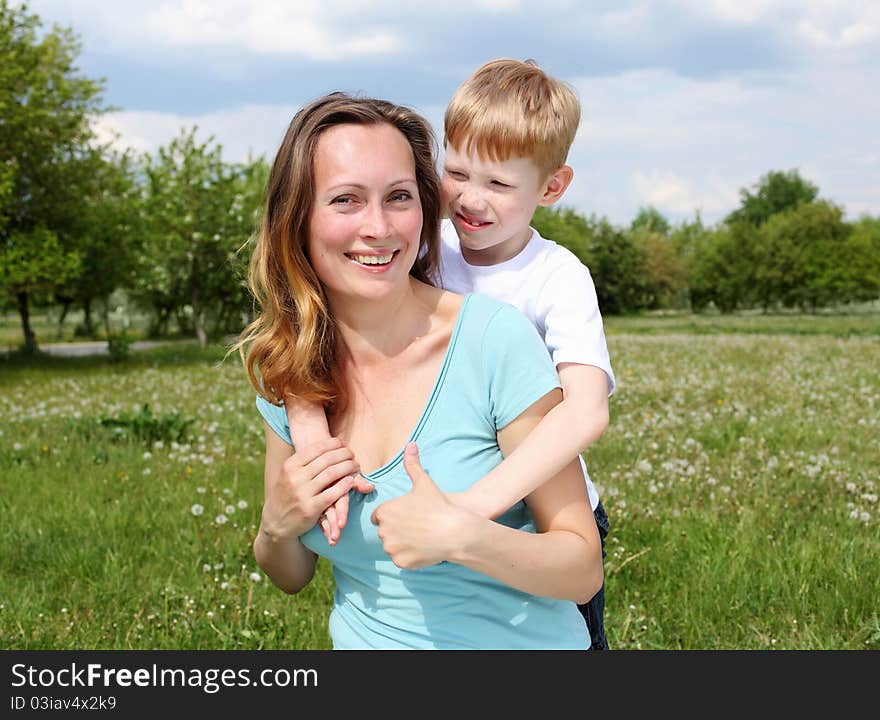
x=491, y=203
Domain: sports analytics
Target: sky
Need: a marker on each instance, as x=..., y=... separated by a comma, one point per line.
x=684, y=102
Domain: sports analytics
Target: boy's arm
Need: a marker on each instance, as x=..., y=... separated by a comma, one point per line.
x=308, y=425
x=564, y=432
x=307, y=421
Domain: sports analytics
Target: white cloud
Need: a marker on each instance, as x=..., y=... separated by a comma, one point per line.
x=830, y=25
x=249, y=130
x=316, y=30
x=668, y=192
x=306, y=29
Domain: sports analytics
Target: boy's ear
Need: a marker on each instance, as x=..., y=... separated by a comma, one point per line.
x=556, y=185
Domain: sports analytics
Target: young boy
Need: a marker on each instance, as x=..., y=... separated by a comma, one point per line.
x=508, y=129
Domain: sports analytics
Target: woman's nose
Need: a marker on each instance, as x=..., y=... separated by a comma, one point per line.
x=375, y=222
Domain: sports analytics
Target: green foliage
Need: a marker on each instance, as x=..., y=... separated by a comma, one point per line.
x=35, y=259
x=664, y=272
x=774, y=193
x=860, y=256
x=798, y=263
x=651, y=219
x=144, y=426
x=119, y=346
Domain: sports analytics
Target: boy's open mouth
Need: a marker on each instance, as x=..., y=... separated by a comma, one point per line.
x=372, y=260
x=471, y=223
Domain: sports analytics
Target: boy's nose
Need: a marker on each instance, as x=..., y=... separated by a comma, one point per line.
x=472, y=201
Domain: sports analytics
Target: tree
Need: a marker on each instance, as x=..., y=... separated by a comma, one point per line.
x=651, y=219
x=775, y=192
x=802, y=257
x=198, y=211
x=46, y=108
x=861, y=258
x=106, y=235
x=721, y=267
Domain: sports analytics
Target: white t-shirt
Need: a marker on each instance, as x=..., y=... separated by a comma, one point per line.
x=552, y=288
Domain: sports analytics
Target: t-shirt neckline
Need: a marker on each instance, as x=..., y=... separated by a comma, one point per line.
x=429, y=405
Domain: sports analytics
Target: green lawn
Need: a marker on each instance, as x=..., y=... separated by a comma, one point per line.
x=740, y=473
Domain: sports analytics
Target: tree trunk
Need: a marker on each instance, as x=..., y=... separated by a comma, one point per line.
x=87, y=320
x=65, y=307
x=106, y=315
x=30, y=340
x=199, y=319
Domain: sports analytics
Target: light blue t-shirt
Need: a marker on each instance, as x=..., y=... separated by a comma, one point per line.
x=495, y=367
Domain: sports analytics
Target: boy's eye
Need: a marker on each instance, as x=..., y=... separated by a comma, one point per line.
x=455, y=175
x=498, y=183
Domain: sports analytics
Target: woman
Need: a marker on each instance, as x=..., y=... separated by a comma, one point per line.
x=409, y=374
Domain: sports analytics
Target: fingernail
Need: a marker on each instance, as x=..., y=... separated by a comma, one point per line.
x=411, y=449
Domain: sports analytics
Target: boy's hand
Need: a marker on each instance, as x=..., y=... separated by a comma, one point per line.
x=336, y=516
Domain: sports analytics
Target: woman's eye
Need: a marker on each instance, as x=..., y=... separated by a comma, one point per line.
x=400, y=196
x=342, y=200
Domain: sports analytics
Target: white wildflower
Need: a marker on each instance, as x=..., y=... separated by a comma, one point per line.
x=197, y=509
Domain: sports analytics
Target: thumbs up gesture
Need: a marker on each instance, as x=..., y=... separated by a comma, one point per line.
x=422, y=527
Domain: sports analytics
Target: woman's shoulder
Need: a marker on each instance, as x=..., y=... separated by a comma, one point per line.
x=489, y=311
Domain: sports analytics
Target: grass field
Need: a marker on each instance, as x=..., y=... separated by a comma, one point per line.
x=741, y=474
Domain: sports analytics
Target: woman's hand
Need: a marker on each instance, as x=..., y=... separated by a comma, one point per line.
x=310, y=481
x=422, y=527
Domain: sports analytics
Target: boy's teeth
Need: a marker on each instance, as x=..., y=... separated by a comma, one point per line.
x=373, y=259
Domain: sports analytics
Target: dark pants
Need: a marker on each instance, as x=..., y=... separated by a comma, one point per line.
x=594, y=611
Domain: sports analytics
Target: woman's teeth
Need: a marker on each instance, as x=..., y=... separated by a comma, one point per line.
x=372, y=259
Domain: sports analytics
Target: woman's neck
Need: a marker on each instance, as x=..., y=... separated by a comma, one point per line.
x=375, y=330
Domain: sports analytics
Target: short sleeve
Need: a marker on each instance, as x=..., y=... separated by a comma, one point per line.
x=517, y=369
x=573, y=328
x=276, y=417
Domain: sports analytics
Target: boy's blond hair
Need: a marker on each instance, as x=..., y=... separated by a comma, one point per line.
x=512, y=108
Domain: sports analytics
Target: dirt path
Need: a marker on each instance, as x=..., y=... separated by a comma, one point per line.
x=81, y=349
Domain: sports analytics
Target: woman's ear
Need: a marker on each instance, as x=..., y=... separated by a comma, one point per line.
x=556, y=185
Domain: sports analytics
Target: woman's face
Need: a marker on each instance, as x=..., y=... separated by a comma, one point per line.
x=366, y=217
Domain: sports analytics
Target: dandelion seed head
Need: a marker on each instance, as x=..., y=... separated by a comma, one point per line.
x=197, y=509
x=221, y=519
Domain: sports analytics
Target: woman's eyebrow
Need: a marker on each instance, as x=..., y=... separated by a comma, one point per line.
x=361, y=186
